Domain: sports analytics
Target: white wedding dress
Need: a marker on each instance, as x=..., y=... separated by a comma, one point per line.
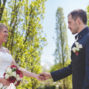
x=5, y=61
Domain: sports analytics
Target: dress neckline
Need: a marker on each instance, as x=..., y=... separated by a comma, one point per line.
x=4, y=52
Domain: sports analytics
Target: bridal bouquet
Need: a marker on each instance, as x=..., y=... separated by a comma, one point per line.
x=13, y=75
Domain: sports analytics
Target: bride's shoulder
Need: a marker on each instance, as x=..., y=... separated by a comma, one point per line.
x=6, y=49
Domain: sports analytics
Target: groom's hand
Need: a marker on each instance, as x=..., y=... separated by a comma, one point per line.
x=45, y=76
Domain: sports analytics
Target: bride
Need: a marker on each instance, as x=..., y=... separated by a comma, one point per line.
x=7, y=60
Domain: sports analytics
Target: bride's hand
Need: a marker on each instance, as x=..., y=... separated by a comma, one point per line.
x=37, y=77
x=5, y=82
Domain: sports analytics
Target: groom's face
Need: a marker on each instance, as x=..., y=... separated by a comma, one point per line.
x=72, y=25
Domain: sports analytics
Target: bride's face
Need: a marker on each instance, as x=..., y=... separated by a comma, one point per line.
x=3, y=35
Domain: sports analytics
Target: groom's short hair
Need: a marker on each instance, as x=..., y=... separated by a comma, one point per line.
x=79, y=13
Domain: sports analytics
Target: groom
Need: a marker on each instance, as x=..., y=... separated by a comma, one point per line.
x=79, y=67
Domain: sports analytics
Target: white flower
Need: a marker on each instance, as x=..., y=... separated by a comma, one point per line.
x=17, y=77
x=1, y=85
x=77, y=47
x=4, y=87
x=80, y=46
x=13, y=74
x=77, y=44
x=15, y=82
x=6, y=76
x=74, y=49
x=8, y=70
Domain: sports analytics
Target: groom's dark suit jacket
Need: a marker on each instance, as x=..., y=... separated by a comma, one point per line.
x=79, y=67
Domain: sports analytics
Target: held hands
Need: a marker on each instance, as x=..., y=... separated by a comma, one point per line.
x=44, y=76
x=37, y=77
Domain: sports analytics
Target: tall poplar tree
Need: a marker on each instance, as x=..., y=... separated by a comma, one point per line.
x=62, y=50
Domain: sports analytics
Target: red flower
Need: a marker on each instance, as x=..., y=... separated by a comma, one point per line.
x=13, y=66
x=11, y=79
x=20, y=73
x=4, y=74
x=18, y=82
x=76, y=53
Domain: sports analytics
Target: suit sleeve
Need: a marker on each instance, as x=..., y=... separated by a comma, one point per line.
x=62, y=73
x=86, y=79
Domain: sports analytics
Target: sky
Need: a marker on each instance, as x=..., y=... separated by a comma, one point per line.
x=49, y=23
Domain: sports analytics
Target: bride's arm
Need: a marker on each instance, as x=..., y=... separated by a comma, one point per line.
x=25, y=72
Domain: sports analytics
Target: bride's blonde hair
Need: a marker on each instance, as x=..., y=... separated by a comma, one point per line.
x=2, y=26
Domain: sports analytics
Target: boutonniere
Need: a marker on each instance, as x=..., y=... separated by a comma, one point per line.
x=77, y=48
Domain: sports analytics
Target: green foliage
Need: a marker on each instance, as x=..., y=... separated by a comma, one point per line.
x=68, y=81
x=25, y=40
x=88, y=15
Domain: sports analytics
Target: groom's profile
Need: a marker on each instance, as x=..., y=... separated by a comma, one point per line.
x=79, y=67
